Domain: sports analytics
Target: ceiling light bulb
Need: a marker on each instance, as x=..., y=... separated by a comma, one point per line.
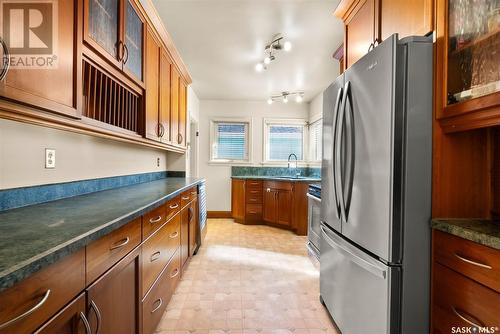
x=299, y=98
x=285, y=99
x=259, y=67
x=287, y=46
x=267, y=60
x=269, y=101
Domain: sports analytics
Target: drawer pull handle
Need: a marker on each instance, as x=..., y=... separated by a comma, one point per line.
x=482, y=265
x=155, y=220
x=97, y=314
x=254, y=191
x=120, y=243
x=159, y=301
x=473, y=324
x=27, y=313
x=194, y=193
x=174, y=235
x=85, y=323
x=155, y=256
x=252, y=212
x=185, y=198
x=174, y=206
x=174, y=273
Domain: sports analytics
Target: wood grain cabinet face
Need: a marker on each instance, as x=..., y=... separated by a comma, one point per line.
x=53, y=89
x=461, y=302
x=174, y=105
x=155, y=303
x=157, y=251
x=165, y=67
x=269, y=212
x=238, y=199
x=181, y=137
x=407, y=18
x=50, y=289
x=184, y=250
x=106, y=251
x=70, y=320
x=153, y=129
x=359, y=31
x=193, y=221
x=113, y=300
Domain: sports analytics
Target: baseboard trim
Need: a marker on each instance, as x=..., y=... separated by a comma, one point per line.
x=219, y=214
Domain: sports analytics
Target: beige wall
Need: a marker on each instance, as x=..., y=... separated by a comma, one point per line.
x=78, y=157
x=218, y=176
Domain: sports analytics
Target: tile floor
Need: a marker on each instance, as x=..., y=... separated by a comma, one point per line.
x=248, y=279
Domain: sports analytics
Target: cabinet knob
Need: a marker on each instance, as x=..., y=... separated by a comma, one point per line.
x=268, y=190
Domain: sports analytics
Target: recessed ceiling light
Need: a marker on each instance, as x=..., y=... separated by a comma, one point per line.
x=287, y=46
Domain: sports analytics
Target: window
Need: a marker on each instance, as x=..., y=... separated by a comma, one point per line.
x=282, y=138
x=315, y=140
x=230, y=140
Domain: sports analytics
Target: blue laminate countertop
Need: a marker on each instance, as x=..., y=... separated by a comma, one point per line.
x=36, y=236
x=278, y=178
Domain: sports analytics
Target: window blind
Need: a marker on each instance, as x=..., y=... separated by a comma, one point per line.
x=315, y=131
x=230, y=141
x=284, y=140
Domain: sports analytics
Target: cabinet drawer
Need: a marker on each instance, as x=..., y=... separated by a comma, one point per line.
x=254, y=198
x=153, y=220
x=173, y=206
x=481, y=263
x=102, y=254
x=69, y=320
x=155, y=303
x=49, y=289
x=253, y=212
x=188, y=195
x=253, y=185
x=157, y=251
x=278, y=185
x=461, y=302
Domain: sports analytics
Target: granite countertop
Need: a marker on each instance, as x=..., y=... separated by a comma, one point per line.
x=36, y=236
x=484, y=232
x=278, y=178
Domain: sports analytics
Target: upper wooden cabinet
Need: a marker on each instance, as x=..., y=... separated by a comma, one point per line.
x=164, y=112
x=115, y=29
x=407, y=18
x=54, y=86
x=181, y=137
x=152, y=79
x=372, y=21
x=467, y=62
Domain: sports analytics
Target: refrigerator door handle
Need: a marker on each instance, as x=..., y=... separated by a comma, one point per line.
x=334, y=167
x=338, y=165
x=350, y=150
x=353, y=257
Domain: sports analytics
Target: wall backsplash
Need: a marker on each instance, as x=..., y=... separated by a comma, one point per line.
x=274, y=171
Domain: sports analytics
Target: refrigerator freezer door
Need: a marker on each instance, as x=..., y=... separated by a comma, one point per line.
x=357, y=289
x=330, y=211
x=370, y=105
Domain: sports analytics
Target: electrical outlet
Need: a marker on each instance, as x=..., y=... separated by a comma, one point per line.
x=157, y=162
x=50, y=158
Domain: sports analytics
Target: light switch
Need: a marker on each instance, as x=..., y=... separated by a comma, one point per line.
x=50, y=158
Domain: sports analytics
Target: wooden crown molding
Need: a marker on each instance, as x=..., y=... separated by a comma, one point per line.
x=344, y=7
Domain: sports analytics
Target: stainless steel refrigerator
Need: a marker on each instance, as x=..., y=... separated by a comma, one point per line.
x=376, y=191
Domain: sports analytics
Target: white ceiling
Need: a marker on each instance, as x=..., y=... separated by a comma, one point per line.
x=221, y=41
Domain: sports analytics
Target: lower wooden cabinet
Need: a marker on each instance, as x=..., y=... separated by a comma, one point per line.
x=113, y=300
x=130, y=279
x=277, y=203
x=156, y=301
x=70, y=320
x=464, y=284
x=37, y=298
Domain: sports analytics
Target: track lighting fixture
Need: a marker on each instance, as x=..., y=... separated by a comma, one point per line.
x=274, y=46
x=284, y=97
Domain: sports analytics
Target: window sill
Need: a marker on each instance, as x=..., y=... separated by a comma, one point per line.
x=229, y=163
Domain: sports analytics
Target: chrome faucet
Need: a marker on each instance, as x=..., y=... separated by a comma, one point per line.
x=296, y=160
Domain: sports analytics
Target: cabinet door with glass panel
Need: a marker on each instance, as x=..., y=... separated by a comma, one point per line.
x=471, y=55
x=115, y=30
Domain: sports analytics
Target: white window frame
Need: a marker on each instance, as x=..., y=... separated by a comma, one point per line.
x=283, y=121
x=213, y=123
x=314, y=162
